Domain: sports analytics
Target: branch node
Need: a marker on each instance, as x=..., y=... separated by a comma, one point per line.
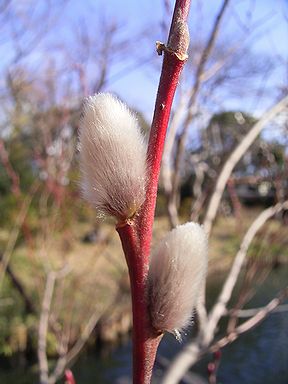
x=179, y=38
x=161, y=47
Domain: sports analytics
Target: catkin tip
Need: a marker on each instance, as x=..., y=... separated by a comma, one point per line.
x=112, y=157
x=177, y=271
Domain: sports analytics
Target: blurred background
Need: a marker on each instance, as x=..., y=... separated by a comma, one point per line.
x=64, y=289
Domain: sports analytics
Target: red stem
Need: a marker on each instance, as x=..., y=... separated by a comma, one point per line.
x=145, y=341
x=69, y=378
x=136, y=237
x=171, y=70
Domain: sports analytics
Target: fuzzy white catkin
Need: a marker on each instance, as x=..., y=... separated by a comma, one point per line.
x=177, y=270
x=112, y=157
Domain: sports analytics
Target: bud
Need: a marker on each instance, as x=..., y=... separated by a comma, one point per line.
x=69, y=377
x=177, y=270
x=112, y=157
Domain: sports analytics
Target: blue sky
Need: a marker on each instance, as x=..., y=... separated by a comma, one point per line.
x=268, y=36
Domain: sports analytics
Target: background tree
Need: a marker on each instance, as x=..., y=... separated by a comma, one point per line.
x=53, y=55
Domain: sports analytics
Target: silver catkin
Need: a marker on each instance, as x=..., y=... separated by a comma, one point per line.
x=177, y=271
x=112, y=157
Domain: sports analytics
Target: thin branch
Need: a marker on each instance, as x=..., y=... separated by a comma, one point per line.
x=200, y=69
x=259, y=316
x=242, y=313
x=188, y=377
x=172, y=66
x=207, y=51
x=136, y=236
x=15, y=232
x=65, y=360
x=179, y=114
x=44, y=322
x=29, y=305
x=233, y=159
x=220, y=307
x=170, y=139
x=177, y=369
x=196, y=348
x=43, y=327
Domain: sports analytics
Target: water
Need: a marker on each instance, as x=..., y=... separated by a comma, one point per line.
x=259, y=356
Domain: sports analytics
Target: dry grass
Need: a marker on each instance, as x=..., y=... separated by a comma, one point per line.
x=97, y=270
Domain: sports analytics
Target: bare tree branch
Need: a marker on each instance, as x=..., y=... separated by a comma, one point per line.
x=15, y=232
x=29, y=305
x=192, y=101
x=194, y=350
x=44, y=322
x=43, y=327
x=258, y=317
x=219, y=308
x=65, y=360
x=242, y=313
x=233, y=159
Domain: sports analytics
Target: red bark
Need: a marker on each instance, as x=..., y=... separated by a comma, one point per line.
x=136, y=235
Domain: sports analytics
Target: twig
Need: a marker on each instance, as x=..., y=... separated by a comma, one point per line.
x=233, y=159
x=29, y=305
x=67, y=359
x=179, y=115
x=15, y=232
x=44, y=322
x=166, y=170
x=69, y=378
x=200, y=69
x=214, y=366
x=171, y=70
x=196, y=348
x=136, y=237
x=252, y=322
x=220, y=307
x=43, y=327
x=242, y=313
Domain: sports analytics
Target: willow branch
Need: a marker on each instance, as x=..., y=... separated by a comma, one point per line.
x=233, y=159
x=136, y=236
x=43, y=328
x=67, y=359
x=192, y=352
x=249, y=312
x=200, y=69
x=252, y=322
x=15, y=232
x=220, y=307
